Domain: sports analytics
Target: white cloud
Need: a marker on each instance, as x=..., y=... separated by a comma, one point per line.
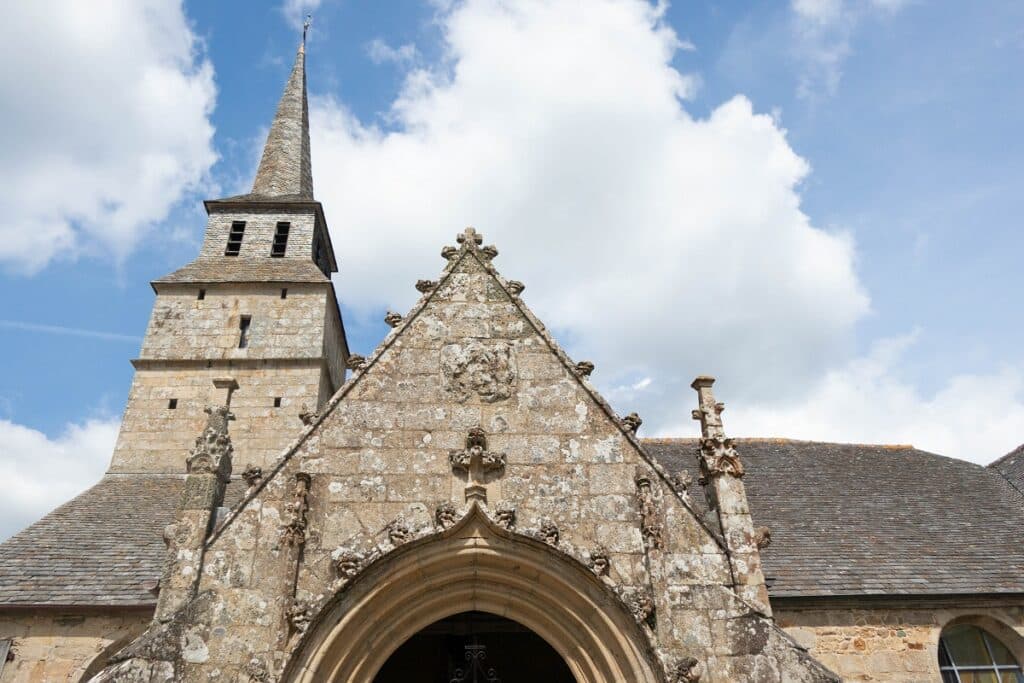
x=41, y=473
x=658, y=244
x=823, y=31
x=380, y=52
x=974, y=417
x=106, y=124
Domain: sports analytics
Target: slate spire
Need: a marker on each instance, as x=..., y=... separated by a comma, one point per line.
x=285, y=170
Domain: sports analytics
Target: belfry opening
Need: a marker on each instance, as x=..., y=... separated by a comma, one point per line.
x=475, y=647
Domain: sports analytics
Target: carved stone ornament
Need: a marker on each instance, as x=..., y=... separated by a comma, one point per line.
x=600, y=561
x=476, y=462
x=685, y=670
x=293, y=533
x=393, y=319
x=448, y=253
x=549, y=532
x=487, y=370
x=719, y=457
x=650, y=521
x=252, y=475
x=505, y=515
x=584, y=368
x=424, y=286
x=256, y=670
x=308, y=416
x=300, y=615
x=641, y=604
x=762, y=537
x=470, y=234
x=681, y=480
x=212, y=451
x=489, y=252
x=399, y=532
x=348, y=563
x=446, y=514
x=355, y=361
x=516, y=287
x=632, y=422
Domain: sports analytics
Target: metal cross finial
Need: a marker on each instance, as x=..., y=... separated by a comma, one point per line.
x=305, y=27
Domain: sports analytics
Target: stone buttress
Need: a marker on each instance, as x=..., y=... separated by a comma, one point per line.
x=468, y=410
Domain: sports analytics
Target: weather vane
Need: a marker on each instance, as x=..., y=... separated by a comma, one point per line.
x=305, y=27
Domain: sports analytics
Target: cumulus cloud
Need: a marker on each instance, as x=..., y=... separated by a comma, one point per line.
x=41, y=473
x=973, y=417
x=106, y=124
x=660, y=245
x=380, y=52
x=823, y=30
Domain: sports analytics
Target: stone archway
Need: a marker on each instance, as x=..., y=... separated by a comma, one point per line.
x=475, y=567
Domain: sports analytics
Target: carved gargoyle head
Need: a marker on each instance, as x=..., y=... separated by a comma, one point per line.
x=393, y=319
x=448, y=253
x=632, y=422
x=252, y=475
x=476, y=440
x=685, y=670
x=584, y=368
x=505, y=514
x=445, y=514
x=489, y=252
x=355, y=361
x=516, y=287
x=600, y=561
x=549, y=532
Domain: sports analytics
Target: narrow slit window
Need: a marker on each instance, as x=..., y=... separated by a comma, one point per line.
x=201, y=295
x=284, y=293
x=280, y=240
x=243, y=331
x=277, y=401
x=235, y=238
x=172, y=404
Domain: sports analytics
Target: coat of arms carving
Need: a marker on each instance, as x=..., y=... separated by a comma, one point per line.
x=485, y=369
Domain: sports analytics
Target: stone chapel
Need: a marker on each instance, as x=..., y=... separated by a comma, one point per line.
x=462, y=505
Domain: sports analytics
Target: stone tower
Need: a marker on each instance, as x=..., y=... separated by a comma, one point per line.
x=253, y=322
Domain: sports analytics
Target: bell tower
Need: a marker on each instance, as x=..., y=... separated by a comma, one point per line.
x=252, y=322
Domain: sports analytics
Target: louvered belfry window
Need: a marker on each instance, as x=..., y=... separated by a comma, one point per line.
x=235, y=238
x=280, y=244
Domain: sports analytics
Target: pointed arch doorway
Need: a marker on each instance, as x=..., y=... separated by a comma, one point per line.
x=474, y=567
x=475, y=647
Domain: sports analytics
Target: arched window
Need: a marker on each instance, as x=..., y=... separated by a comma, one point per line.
x=968, y=654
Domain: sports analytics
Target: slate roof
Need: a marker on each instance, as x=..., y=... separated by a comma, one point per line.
x=845, y=520
x=246, y=270
x=851, y=519
x=1011, y=466
x=100, y=548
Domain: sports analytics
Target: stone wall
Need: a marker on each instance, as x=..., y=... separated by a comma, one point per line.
x=58, y=648
x=259, y=233
x=155, y=438
x=182, y=326
x=894, y=644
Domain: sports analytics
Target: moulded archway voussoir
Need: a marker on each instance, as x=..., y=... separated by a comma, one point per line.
x=475, y=566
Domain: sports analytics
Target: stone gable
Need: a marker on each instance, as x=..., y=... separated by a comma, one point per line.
x=468, y=405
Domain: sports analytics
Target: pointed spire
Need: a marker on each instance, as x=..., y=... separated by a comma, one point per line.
x=285, y=169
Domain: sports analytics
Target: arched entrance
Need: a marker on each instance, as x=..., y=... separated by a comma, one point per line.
x=475, y=647
x=475, y=566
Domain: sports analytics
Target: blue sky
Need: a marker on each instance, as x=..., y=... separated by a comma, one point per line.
x=817, y=201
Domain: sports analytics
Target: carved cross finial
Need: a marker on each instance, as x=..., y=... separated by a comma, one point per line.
x=477, y=462
x=709, y=411
x=471, y=236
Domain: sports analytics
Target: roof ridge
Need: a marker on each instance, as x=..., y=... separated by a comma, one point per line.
x=780, y=440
